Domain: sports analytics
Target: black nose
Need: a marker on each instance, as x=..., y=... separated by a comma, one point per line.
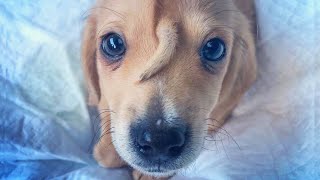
x=164, y=143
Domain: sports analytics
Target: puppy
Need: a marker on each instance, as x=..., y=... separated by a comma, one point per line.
x=159, y=70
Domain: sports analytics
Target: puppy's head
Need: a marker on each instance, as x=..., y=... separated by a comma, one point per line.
x=165, y=67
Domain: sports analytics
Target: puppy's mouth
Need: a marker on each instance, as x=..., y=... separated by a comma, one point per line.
x=156, y=167
x=160, y=168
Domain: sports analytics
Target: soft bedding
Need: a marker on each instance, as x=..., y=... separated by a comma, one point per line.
x=45, y=125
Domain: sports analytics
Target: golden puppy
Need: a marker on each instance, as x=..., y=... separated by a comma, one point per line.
x=160, y=69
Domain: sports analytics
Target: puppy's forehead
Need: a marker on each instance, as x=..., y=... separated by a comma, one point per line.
x=133, y=12
x=144, y=15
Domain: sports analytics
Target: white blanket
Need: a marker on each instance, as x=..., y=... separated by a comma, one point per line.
x=44, y=121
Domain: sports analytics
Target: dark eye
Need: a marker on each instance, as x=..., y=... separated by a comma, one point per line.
x=113, y=46
x=213, y=50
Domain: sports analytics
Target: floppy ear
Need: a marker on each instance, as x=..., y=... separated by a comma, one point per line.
x=240, y=75
x=89, y=60
x=106, y=156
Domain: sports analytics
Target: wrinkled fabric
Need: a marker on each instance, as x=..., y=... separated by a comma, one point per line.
x=45, y=124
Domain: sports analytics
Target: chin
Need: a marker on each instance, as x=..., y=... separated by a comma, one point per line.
x=155, y=172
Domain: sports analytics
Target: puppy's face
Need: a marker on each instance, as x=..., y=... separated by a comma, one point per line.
x=161, y=66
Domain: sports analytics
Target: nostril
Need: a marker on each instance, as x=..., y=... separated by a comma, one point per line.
x=144, y=143
x=146, y=149
x=175, y=151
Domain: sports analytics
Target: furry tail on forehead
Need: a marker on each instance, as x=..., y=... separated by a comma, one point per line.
x=168, y=38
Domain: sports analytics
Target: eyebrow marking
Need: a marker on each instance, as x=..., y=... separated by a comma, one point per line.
x=168, y=37
x=92, y=11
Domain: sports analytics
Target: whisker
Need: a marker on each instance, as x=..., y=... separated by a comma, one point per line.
x=97, y=129
x=105, y=133
x=229, y=136
x=95, y=126
x=224, y=149
x=218, y=130
x=101, y=112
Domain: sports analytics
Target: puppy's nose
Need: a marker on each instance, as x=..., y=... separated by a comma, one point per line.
x=159, y=143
